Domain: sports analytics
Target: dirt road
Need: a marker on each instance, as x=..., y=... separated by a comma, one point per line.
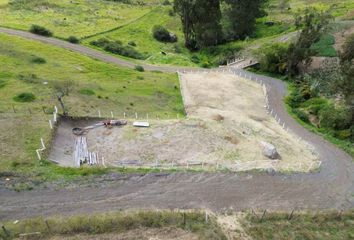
x=332, y=187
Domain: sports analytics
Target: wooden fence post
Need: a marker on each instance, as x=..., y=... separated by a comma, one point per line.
x=263, y=215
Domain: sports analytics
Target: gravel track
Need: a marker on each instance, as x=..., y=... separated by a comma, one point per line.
x=331, y=187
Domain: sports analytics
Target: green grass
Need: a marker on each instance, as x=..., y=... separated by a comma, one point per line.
x=66, y=18
x=304, y=226
x=90, y=20
x=120, y=222
x=97, y=85
x=324, y=47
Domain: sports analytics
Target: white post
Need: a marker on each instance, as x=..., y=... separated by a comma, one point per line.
x=55, y=117
x=124, y=115
x=38, y=154
x=56, y=109
x=50, y=124
x=136, y=115
x=99, y=113
x=112, y=114
x=42, y=142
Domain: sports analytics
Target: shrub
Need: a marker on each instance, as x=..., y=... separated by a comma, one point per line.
x=25, y=97
x=117, y=47
x=344, y=134
x=132, y=43
x=166, y=2
x=86, y=91
x=36, y=29
x=38, y=60
x=139, y=68
x=273, y=58
x=73, y=39
x=335, y=118
x=195, y=59
x=294, y=99
x=163, y=35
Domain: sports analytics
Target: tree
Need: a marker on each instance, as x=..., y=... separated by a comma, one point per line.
x=241, y=16
x=200, y=22
x=60, y=90
x=272, y=58
x=314, y=25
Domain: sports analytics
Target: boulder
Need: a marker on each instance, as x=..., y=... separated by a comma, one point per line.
x=269, y=150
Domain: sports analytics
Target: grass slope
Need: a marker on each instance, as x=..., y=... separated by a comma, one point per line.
x=117, y=223
x=305, y=226
x=65, y=18
x=97, y=86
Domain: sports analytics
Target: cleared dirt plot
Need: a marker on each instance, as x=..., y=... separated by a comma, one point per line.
x=226, y=124
x=238, y=105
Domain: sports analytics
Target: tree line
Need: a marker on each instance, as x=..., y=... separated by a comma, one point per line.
x=212, y=22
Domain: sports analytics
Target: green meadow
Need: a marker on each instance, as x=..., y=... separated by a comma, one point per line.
x=26, y=88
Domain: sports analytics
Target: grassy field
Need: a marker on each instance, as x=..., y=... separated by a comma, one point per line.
x=79, y=18
x=90, y=20
x=117, y=223
x=96, y=86
x=305, y=226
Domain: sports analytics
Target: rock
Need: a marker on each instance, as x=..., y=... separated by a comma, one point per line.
x=269, y=150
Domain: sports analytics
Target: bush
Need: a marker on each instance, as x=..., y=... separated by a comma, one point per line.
x=195, y=59
x=38, y=60
x=117, y=47
x=25, y=97
x=139, y=68
x=132, y=43
x=295, y=98
x=73, y=39
x=163, y=35
x=36, y=29
x=273, y=58
x=344, y=134
x=335, y=118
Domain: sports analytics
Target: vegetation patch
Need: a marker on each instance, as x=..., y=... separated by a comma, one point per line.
x=116, y=47
x=87, y=91
x=73, y=39
x=38, y=60
x=120, y=222
x=324, y=47
x=36, y=29
x=307, y=226
x=25, y=97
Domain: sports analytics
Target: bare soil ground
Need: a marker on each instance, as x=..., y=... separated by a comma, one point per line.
x=240, y=103
x=226, y=123
x=168, y=233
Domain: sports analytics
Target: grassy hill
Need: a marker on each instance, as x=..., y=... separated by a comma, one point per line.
x=91, y=20
x=97, y=86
